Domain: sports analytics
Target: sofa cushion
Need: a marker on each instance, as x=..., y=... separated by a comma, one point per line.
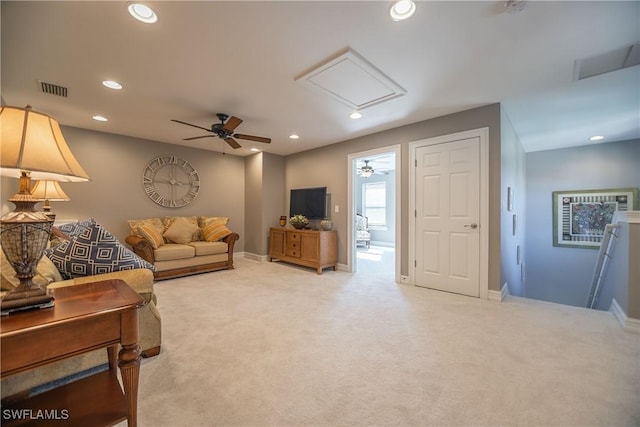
x=182, y=230
x=215, y=231
x=174, y=251
x=203, y=221
x=209, y=248
x=139, y=279
x=94, y=251
x=46, y=272
x=151, y=233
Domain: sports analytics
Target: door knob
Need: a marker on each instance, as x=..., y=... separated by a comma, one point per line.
x=472, y=226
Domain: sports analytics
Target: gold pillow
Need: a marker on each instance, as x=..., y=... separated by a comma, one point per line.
x=215, y=231
x=181, y=230
x=156, y=223
x=150, y=233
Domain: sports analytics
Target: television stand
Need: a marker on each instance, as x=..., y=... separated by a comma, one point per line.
x=310, y=248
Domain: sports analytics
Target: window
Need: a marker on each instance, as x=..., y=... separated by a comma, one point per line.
x=374, y=201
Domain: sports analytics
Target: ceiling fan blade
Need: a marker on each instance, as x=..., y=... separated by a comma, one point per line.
x=231, y=124
x=189, y=124
x=198, y=137
x=252, y=138
x=232, y=142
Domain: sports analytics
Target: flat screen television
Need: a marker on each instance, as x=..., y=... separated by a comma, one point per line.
x=310, y=202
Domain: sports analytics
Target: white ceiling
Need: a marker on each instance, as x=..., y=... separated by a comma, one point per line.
x=243, y=58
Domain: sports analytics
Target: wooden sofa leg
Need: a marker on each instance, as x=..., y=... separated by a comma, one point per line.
x=151, y=352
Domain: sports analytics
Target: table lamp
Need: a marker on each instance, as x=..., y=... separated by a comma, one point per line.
x=31, y=145
x=48, y=191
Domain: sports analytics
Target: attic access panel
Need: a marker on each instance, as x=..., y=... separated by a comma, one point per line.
x=352, y=80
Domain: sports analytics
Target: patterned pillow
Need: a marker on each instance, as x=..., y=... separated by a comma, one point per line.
x=150, y=233
x=203, y=221
x=215, y=231
x=156, y=223
x=95, y=251
x=72, y=229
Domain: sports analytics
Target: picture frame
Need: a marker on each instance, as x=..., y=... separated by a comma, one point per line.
x=580, y=216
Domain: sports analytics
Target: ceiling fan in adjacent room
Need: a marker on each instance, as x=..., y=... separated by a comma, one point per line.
x=367, y=170
x=225, y=130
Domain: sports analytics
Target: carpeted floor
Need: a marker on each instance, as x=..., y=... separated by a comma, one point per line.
x=271, y=344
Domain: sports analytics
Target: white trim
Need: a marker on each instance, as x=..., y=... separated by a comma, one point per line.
x=499, y=296
x=629, y=324
x=255, y=257
x=631, y=217
x=351, y=166
x=483, y=135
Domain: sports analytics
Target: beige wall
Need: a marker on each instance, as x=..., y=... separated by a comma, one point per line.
x=327, y=166
x=115, y=164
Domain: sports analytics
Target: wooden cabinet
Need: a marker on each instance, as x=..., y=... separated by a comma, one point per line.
x=310, y=248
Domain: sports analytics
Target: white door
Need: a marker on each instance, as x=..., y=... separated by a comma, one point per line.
x=447, y=216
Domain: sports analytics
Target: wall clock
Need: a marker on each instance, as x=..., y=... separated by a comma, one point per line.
x=171, y=181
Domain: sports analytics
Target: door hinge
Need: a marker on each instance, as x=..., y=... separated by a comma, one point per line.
x=415, y=163
x=415, y=263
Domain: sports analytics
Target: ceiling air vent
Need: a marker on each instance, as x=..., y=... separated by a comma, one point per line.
x=618, y=59
x=52, y=89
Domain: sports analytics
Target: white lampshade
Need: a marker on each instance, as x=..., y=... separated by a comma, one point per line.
x=33, y=142
x=49, y=190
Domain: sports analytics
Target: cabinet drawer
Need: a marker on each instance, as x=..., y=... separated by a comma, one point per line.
x=293, y=248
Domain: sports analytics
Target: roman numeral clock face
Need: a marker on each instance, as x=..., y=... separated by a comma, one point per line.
x=171, y=181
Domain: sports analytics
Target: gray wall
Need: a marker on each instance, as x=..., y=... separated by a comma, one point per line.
x=115, y=194
x=327, y=166
x=512, y=175
x=561, y=274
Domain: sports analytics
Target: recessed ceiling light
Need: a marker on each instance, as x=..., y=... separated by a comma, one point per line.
x=112, y=84
x=355, y=115
x=254, y=149
x=402, y=9
x=294, y=136
x=142, y=13
x=99, y=118
x=596, y=138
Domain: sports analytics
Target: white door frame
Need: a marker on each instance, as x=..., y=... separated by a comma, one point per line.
x=351, y=195
x=483, y=135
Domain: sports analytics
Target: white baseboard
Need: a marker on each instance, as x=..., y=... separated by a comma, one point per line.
x=255, y=257
x=499, y=296
x=629, y=324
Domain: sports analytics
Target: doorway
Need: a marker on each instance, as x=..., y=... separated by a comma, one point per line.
x=374, y=212
x=448, y=232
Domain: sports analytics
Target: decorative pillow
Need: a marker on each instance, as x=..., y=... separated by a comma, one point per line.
x=203, y=221
x=46, y=272
x=181, y=230
x=169, y=220
x=156, y=223
x=150, y=233
x=95, y=251
x=72, y=229
x=215, y=231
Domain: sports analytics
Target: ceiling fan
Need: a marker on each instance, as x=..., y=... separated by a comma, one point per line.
x=367, y=170
x=224, y=130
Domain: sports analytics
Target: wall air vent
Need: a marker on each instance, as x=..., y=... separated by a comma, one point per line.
x=52, y=89
x=613, y=60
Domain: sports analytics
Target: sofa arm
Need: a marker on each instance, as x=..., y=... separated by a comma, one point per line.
x=230, y=240
x=141, y=247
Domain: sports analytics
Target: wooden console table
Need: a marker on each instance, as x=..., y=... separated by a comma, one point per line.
x=85, y=318
x=311, y=248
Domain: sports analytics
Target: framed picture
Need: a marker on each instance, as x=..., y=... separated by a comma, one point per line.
x=579, y=217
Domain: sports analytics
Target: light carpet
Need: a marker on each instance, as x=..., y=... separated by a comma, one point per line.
x=272, y=344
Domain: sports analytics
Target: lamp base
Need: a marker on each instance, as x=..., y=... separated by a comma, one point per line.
x=24, y=299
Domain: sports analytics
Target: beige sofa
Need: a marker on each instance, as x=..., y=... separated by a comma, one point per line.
x=149, y=338
x=180, y=245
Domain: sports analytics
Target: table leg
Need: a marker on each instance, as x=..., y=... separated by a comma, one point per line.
x=129, y=364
